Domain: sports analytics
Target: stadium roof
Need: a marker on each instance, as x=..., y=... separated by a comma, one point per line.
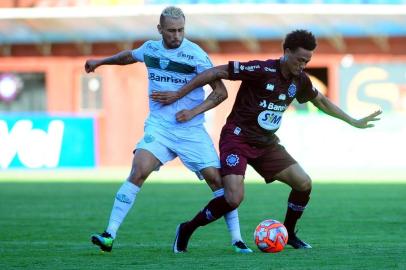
x=247, y=22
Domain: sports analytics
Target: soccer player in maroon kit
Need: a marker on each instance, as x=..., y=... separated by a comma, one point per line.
x=248, y=137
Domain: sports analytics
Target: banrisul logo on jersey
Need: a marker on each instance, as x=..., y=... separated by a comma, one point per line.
x=270, y=120
x=162, y=78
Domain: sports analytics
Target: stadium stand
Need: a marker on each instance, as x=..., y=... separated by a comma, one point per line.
x=65, y=3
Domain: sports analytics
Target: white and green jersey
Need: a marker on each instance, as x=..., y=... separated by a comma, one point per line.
x=169, y=70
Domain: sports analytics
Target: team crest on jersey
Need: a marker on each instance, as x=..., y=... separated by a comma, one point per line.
x=163, y=63
x=292, y=90
x=232, y=160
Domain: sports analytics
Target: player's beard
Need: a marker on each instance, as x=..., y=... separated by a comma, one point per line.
x=175, y=44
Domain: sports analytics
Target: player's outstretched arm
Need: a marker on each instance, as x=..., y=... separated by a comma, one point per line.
x=217, y=96
x=207, y=76
x=122, y=58
x=325, y=105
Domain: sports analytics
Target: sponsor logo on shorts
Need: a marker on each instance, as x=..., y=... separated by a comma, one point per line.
x=237, y=131
x=232, y=160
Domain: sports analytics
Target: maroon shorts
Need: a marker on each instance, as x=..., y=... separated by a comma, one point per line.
x=236, y=153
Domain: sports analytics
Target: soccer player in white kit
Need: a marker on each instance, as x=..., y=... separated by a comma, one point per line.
x=171, y=62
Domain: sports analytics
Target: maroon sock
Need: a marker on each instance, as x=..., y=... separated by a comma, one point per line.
x=215, y=209
x=296, y=205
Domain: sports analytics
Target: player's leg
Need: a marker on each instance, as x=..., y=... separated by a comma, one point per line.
x=197, y=152
x=213, y=179
x=143, y=164
x=215, y=209
x=299, y=197
x=233, y=166
x=276, y=163
x=151, y=153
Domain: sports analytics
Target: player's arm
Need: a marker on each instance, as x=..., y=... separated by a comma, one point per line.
x=217, y=96
x=208, y=76
x=122, y=58
x=326, y=106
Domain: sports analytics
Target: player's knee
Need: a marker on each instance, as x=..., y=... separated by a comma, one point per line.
x=214, y=183
x=305, y=184
x=235, y=200
x=137, y=176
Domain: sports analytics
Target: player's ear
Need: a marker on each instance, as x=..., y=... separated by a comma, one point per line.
x=286, y=54
x=159, y=29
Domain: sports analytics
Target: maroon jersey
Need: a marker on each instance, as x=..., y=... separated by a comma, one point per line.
x=263, y=97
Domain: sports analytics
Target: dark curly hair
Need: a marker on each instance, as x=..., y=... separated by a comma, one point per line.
x=300, y=38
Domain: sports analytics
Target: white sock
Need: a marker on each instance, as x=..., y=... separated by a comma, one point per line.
x=232, y=221
x=123, y=202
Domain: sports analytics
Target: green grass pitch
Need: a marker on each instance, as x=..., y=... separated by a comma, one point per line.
x=46, y=225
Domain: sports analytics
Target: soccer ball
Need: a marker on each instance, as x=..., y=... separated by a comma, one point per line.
x=270, y=236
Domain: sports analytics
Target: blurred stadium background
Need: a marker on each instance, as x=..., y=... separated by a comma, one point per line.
x=56, y=118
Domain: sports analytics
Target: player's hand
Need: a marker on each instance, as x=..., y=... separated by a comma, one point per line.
x=184, y=116
x=91, y=65
x=164, y=97
x=366, y=121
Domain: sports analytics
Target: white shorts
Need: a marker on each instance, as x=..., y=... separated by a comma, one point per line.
x=192, y=145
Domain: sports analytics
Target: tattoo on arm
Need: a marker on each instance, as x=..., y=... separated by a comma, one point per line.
x=216, y=98
x=122, y=58
x=221, y=74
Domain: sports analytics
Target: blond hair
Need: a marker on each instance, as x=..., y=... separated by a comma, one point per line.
x=172, y=12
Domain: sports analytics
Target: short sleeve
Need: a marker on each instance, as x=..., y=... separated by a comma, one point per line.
x=307, y=90
x=138, y=54
x=204, y=63
x=251, y=70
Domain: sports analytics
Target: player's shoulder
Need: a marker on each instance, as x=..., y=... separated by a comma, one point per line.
x=192, y=47
x=268, y=66
x=304, y=77
x=304, y=81
x=151, y=45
